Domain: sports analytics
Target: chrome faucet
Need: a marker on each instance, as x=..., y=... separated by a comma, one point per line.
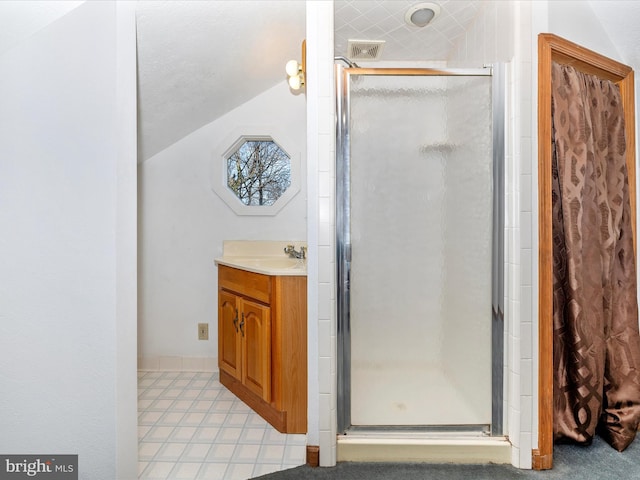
x=291, y=251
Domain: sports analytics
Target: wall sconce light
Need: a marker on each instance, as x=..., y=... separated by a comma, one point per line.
x=297, y=71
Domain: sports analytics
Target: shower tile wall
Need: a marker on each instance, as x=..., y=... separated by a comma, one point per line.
x=321, y=231
x=528, y=217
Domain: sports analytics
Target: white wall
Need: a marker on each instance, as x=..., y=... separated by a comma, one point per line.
x=183, y=224
x=65, y=94
x=126, y=245
x=577, y=22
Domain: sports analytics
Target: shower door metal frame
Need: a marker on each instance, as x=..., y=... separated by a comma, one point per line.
x=343, y=245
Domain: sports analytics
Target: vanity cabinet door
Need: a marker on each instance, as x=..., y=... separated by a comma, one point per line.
x=255, y=331
x=229, y=339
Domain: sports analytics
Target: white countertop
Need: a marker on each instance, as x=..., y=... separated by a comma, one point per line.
x=265, y=257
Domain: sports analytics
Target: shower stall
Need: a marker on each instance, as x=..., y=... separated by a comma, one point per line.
x=420, y=251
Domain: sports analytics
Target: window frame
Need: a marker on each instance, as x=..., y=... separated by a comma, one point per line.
x=219, y=179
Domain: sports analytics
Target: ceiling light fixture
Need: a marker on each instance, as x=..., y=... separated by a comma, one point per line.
x=421, y=14
x=297, y=71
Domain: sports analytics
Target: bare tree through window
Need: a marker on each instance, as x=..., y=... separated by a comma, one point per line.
x=258, y=172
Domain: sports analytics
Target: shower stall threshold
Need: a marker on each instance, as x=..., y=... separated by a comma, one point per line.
x=416, y=446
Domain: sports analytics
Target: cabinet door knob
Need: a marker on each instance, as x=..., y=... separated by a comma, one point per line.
x=242, y=325
x=235, y=321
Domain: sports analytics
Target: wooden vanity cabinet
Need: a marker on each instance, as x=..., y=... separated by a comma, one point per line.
x=262, y=344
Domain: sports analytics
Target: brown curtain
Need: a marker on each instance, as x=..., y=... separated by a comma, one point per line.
x=596, y=341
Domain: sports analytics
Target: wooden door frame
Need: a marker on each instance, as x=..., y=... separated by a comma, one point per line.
x=552, y=48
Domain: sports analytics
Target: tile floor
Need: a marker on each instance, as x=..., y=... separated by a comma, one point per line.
x=191, y=427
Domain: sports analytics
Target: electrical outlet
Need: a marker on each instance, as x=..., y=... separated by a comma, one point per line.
x=203, y=331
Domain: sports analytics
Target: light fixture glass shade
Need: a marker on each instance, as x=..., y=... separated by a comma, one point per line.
x=421, y=14
x=292, y=68
x=422, y=17
x=295, y=82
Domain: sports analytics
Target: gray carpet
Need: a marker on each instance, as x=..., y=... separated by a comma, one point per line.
x=571, y=462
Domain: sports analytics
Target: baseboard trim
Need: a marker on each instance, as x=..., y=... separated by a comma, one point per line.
x=490, y=450
x=178, y=363
x=313, y=455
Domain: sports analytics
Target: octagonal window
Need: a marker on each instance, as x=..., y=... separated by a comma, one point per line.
x=258, y=172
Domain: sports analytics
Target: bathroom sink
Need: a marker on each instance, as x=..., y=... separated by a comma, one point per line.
x=266, y=257
x=268, y=265
x=274, y=262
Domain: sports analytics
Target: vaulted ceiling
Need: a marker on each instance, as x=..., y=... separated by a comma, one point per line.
x=200, y=59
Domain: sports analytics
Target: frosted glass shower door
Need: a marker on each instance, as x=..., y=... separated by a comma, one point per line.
x=421, y=243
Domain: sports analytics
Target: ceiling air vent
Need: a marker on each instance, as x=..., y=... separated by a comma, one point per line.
x=365, y=49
